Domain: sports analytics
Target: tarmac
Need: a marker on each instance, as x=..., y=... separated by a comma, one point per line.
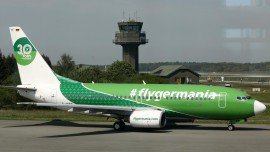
x=61, y=136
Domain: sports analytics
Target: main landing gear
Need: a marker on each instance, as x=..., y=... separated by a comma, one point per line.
x=231, y=127
x=119, y=125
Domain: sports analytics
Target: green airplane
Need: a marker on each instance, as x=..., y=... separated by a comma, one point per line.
x=141, y=105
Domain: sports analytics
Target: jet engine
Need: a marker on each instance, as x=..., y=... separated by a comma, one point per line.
x=148, y=119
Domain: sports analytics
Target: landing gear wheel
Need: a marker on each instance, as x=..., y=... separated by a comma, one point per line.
x=231, y=127
x=119, y=125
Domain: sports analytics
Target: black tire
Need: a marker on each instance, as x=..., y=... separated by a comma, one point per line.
x=119, y=125
x=231, y=127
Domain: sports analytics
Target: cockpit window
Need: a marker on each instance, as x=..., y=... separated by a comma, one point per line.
x=243, y=98
x=248, y=97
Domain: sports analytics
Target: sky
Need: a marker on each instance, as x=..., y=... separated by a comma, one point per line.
x=178, y=30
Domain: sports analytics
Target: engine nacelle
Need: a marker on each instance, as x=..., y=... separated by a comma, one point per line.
x=148, y=119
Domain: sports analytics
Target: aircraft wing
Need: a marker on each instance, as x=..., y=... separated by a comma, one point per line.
x=111, y=111
x=79, y=106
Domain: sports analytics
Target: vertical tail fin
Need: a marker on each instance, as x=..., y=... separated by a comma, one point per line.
x=32, y=67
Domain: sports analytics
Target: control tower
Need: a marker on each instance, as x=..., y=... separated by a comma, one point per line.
x=130, y=37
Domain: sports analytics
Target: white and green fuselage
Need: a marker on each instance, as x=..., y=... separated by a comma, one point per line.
x=139, y=104
x=184, y=101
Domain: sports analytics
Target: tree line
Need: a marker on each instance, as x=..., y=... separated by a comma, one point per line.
x=7, y=66
x=211, y=67
x=117, y=72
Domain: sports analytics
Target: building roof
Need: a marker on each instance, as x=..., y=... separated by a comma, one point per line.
x=166, y=70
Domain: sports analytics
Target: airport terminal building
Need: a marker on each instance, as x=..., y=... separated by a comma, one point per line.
x=177, y=74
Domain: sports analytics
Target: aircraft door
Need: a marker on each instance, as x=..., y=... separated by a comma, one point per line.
x=54, y=96
x=222, y=100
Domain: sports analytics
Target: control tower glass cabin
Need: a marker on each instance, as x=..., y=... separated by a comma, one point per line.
x=130, y=37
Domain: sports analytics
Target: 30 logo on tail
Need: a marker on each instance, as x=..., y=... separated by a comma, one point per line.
x=25, y=52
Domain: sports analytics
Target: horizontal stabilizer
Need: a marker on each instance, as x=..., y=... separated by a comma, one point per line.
x=19, y=88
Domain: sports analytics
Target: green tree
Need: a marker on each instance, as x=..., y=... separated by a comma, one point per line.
x=147, y=78
x=87, y=75
x=47, y=59
x=2, y=67
x=10, y=64
x=65, y=64
x=119, y=70
x=13, y=79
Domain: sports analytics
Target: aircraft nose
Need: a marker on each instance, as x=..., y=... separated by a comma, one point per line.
x=258, y=107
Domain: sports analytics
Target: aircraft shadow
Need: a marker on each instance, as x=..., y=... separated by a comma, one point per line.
x=63, y=123
x=130, y=129
x=200, y=127
x=102, y=132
